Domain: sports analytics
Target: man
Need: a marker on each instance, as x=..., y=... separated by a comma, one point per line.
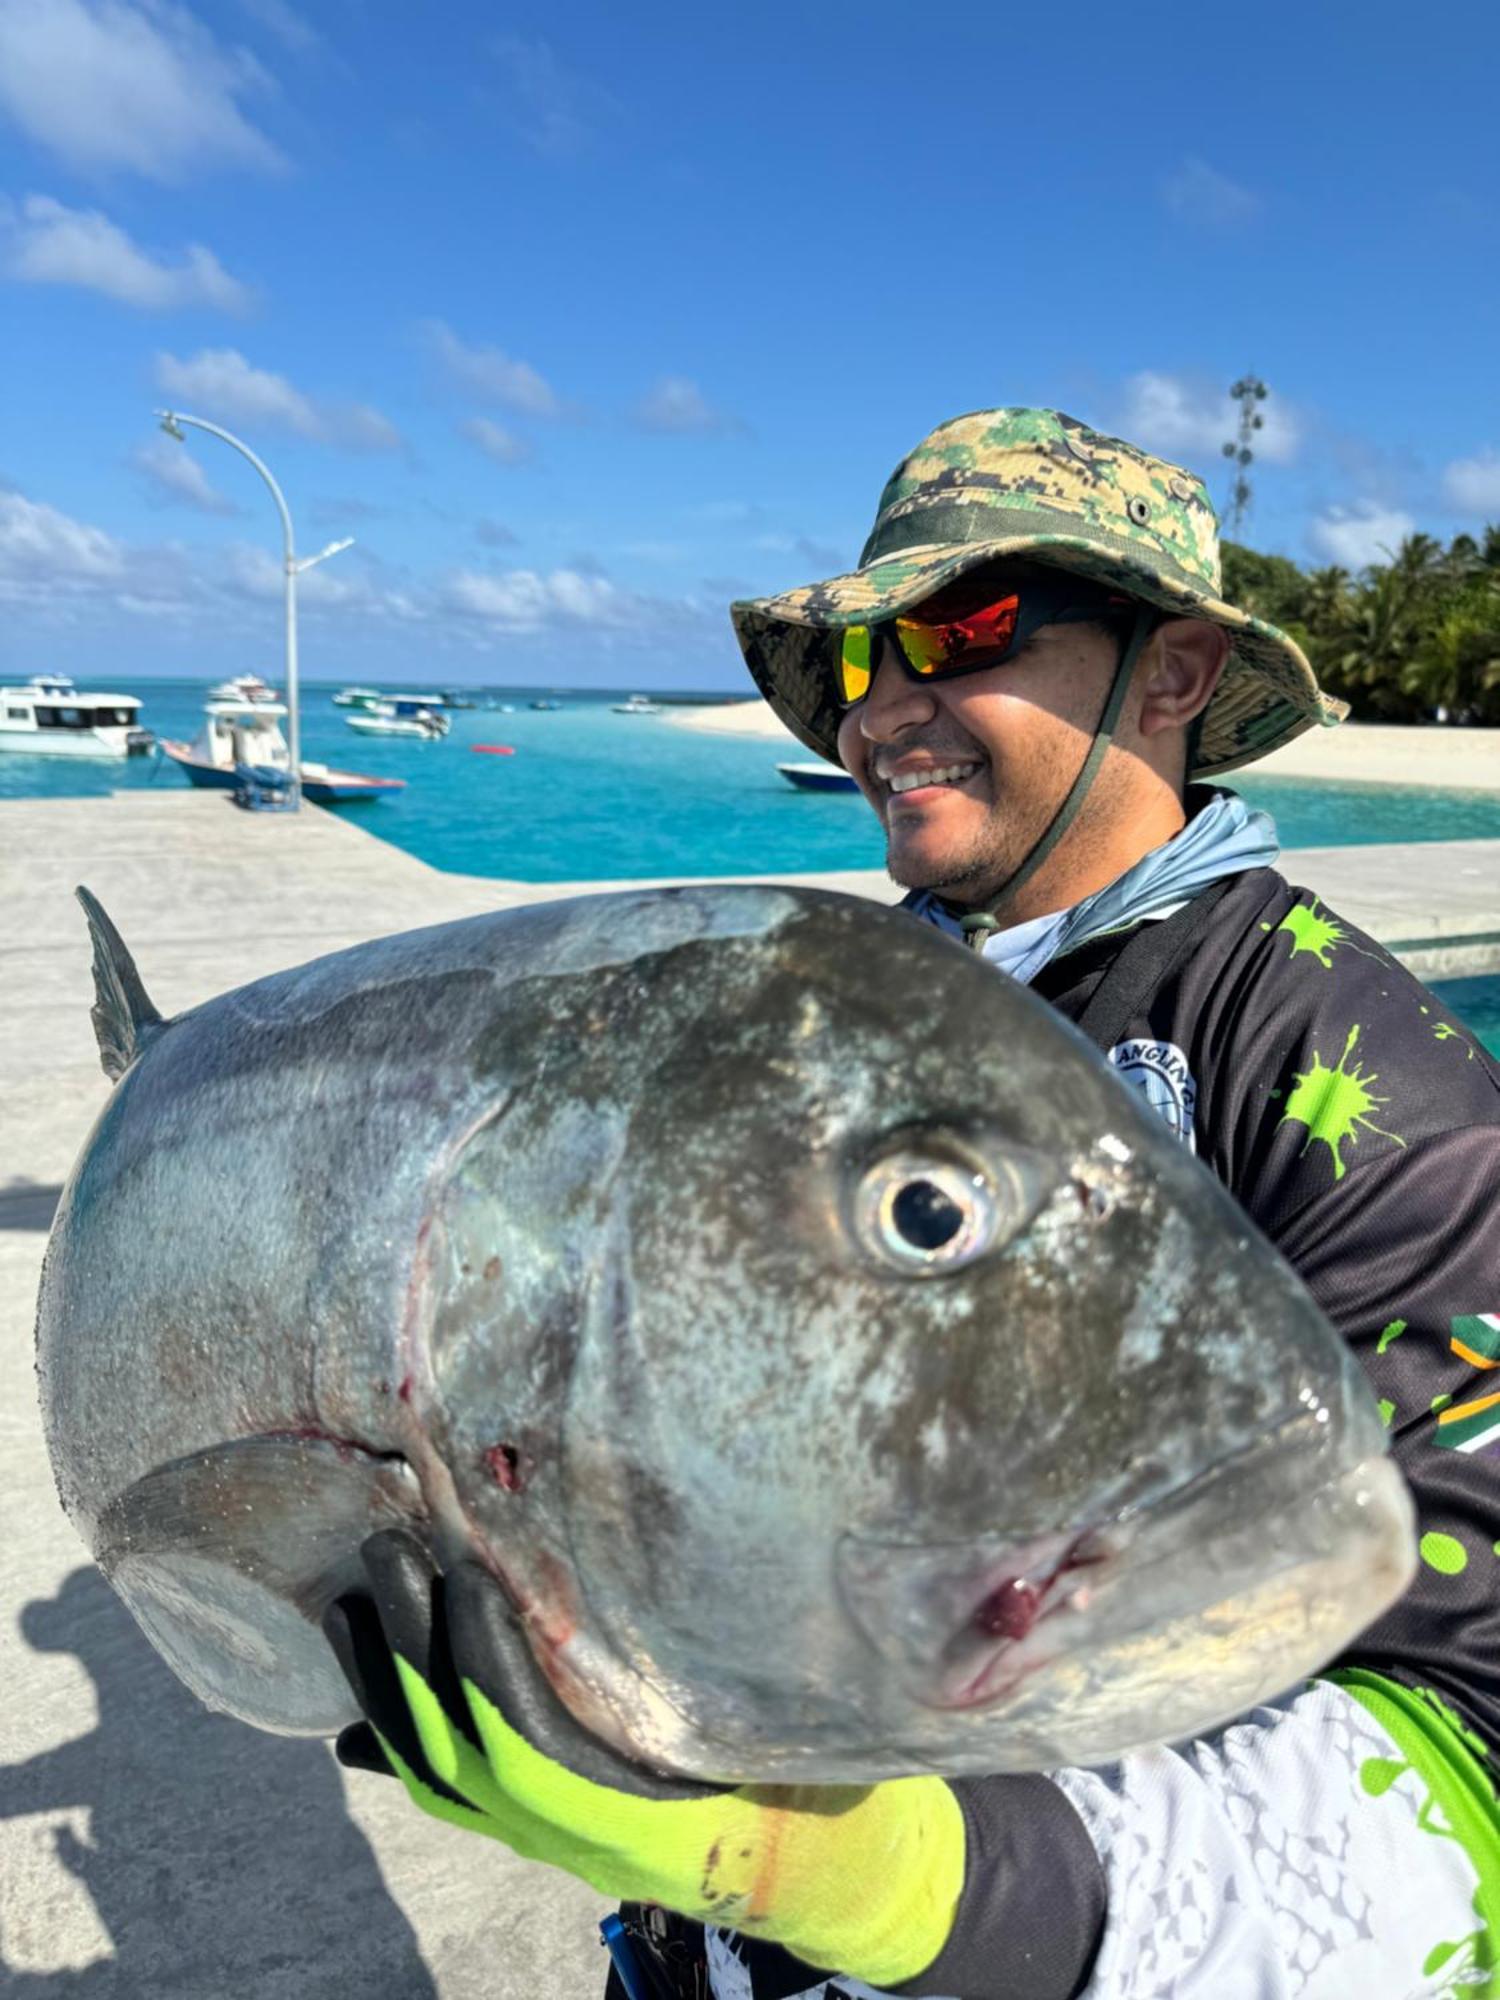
x=1024, y=675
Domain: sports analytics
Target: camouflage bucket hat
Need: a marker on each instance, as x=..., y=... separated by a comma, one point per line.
x=1039, y=486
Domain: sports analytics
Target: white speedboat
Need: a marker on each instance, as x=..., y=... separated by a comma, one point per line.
x=358, y=697
x=401, y=715
x=244, y=687
x=637, y=704
x=49, y=717
x=817, y=777
x=238, y=733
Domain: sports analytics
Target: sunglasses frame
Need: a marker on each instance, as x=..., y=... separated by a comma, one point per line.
x=1049, y=605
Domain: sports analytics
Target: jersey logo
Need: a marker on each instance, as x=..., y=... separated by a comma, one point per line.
x=1159, y=1071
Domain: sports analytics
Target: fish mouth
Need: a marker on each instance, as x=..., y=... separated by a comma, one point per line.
x=967, y=1625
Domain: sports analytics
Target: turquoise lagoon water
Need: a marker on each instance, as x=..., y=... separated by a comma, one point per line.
x=1476, y=1002
x=591, y=795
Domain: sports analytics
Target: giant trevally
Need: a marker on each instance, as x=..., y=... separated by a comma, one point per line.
x=842, y=1371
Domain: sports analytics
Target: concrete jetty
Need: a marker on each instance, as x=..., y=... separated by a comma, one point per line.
x=148, y=1848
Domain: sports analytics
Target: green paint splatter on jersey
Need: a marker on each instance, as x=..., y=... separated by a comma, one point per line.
x=1444, y=1031
x=1378, y=1774
x=1315, y=931
x=1387, y=1411
x=1450, y=1767
x=1333, y=1104
x=1393, y=1330
x=1312, y=933
x=1444, y=1553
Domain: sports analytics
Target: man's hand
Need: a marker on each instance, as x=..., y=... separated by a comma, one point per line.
x=856, y=1880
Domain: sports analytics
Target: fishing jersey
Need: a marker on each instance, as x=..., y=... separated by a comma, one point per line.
x=1343, y=1843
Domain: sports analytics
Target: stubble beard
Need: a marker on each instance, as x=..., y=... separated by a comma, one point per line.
x=979, y=873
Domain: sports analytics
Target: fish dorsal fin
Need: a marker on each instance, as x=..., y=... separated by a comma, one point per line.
x=124, y=1019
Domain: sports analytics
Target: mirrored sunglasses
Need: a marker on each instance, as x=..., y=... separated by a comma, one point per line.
x=956, y=632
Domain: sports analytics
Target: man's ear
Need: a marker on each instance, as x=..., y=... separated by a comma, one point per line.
x=1189, y=658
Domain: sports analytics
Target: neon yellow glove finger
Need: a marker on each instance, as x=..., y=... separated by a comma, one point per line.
x=858, y=1880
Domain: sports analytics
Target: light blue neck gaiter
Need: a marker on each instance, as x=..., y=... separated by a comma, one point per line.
x=1226, y=837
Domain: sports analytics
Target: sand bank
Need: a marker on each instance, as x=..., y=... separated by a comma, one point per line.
x=1357, y=752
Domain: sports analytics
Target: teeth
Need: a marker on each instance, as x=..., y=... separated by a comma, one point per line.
x=947, y=774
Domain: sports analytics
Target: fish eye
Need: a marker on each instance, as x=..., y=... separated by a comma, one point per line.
x=928, y=1216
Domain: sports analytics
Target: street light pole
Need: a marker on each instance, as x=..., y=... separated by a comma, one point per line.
x=172, y=422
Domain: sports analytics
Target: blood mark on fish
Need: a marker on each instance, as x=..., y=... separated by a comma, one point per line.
x=1010, y=1611
x=505, y=1466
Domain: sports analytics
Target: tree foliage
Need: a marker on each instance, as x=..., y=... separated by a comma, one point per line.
x=1407, y=640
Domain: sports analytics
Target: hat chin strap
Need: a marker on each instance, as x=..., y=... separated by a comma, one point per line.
x=980, y=924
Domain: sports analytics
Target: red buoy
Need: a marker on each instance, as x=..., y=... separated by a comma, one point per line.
x=495, y=749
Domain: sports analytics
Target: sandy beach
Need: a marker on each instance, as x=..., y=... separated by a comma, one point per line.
x=1369, y=753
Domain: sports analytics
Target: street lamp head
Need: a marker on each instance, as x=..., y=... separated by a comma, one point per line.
x=171, y=426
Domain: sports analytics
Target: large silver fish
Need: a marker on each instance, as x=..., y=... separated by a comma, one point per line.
x=842, y=1371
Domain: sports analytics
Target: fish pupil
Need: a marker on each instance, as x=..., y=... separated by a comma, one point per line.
x=925, y=1216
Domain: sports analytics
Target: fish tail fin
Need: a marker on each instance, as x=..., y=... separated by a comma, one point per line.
x=123, y=1016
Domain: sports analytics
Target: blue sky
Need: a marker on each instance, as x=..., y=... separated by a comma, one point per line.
x=584, y=320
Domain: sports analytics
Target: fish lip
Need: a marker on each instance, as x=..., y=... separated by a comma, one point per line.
x=1010, y=1661
x=966, y=1673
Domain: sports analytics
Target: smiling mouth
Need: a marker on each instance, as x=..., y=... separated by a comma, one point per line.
x=940, y=775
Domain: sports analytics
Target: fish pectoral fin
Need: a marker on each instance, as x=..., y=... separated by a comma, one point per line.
x=228, y=1558
x=123, y=1016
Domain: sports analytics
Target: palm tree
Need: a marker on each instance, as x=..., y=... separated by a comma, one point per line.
x=1456, y=664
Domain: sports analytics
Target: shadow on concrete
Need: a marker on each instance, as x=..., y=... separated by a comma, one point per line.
x=221, y=1861
x=28, y=1204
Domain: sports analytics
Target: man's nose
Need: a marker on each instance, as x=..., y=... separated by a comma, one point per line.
x=895, y=703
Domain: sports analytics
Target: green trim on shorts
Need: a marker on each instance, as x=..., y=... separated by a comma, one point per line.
x=1461, y=1805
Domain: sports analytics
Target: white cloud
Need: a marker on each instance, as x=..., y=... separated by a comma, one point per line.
x=673, y=403
x=138, y=85
x=44, y=243
x=223, y=381
x=1199, y=193
x=521, y=600
x=554, y=109
x=487, y=373
x=360, y=427
x=44, y=551
x=224, y=384
x=174, y=474
x=251, y=571
x=1473, y=484
x=1186, y=419
x=285, y=24
x=1364, y=533
x=495, y=441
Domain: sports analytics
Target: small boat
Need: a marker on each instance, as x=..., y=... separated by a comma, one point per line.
x=546, y=704
x=358, y=697
x=240, y=733
x=243, y=687
x=456, y=698
x=637, y=704
x=48, y=717
x=401, y=715
x=817, y=777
